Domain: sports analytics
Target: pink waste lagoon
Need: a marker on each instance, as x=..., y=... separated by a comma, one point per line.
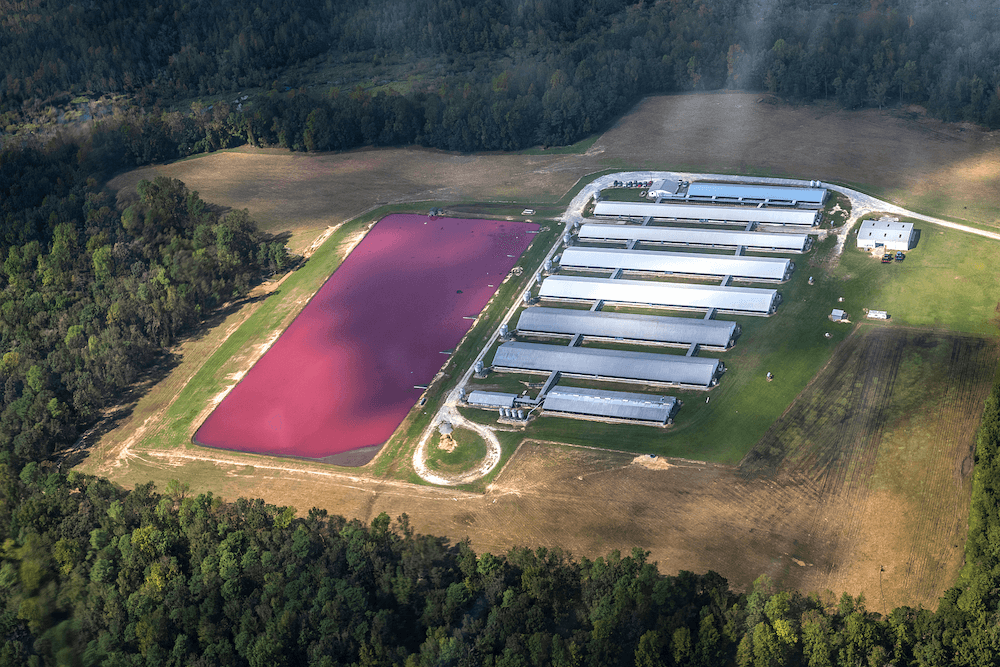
x=342, y=377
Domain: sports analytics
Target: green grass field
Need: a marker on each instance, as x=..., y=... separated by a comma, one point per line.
x=469, y=450
x=948, y=281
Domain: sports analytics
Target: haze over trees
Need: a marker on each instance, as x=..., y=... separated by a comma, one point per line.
x=496, y=75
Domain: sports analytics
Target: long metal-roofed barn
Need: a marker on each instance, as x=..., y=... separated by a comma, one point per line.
x=612, y=405
x=625, y=365
x=746, y=300
x=738, y=193
x=700, y=238
x=707, y=213
x=679, y=331
x=491, y=399
x=658, y=261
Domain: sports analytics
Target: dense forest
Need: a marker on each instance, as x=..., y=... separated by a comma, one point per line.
x=91, y=574
x=90, y=293
x=497, y=74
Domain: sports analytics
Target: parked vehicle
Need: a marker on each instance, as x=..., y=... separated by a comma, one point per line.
x=887, y=258
x=900, y=256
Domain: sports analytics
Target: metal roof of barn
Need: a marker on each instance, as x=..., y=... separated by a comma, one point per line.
x=755, y=193
x=740, y=266
x=615, y=364
x=696, y=237
x=491, y=399
x=885, y=229
x=615, y=404
x=656, y=328
x=677, y=295
x=674, y=211
x=664, y=186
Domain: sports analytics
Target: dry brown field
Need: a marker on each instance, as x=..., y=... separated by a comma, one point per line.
x=932, y=167
x=306, y=193
x=862, y=486
x=820, y=514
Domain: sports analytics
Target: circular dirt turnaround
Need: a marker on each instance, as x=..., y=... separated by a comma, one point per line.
x=449, y=414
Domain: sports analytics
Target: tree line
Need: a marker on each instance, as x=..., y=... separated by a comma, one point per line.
x=91, y=293
x=511, y=74
x=91, y=574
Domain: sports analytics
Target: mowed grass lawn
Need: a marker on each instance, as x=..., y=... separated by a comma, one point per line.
x=948, y=281
x=469, y=450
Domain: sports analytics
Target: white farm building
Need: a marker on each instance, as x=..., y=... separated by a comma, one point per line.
x=745, y=300
x=741, y=215
x=699, y=238
x=888, y=233
x=658, y=261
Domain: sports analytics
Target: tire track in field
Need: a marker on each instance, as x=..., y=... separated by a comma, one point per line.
x=967, y=384
x=869, y=429
x=841, y=463
x=831, y=443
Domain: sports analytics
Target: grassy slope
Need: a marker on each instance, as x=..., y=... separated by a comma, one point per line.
x=274, y=315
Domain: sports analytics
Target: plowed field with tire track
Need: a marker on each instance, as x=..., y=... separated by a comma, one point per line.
x=886, y=435
x=861, y=487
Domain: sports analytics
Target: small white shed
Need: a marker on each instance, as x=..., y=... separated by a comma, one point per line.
x=838, y=315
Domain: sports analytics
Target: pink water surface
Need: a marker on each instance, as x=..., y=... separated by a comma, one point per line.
x=342, y=376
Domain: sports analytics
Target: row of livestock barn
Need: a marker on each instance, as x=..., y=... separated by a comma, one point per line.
x=677, y=296
x=755, y=241
x=740, y=193
x=707, y=213
x=666, y=263
x=740, y=267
